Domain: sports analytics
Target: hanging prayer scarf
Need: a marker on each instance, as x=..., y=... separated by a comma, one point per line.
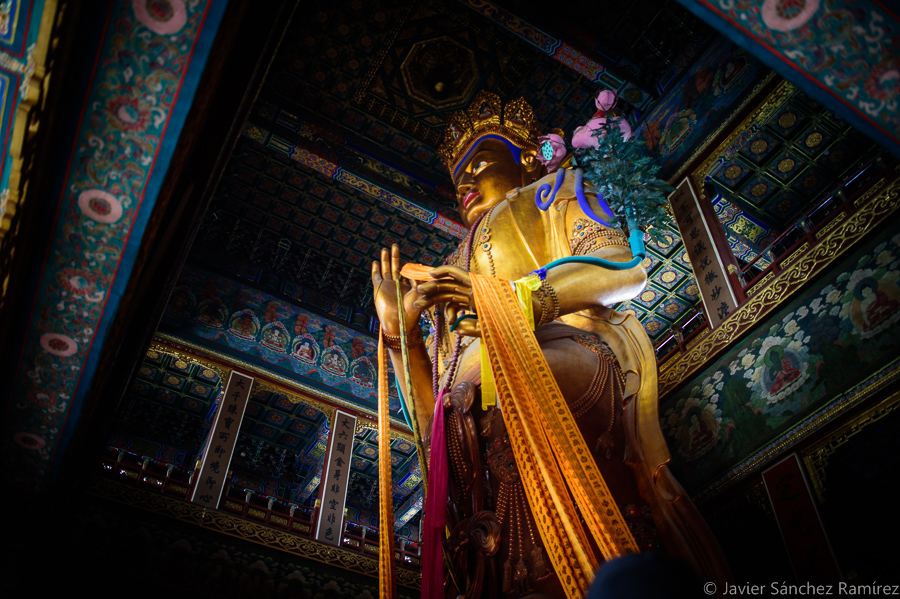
x=550, y=451
x=387, y=582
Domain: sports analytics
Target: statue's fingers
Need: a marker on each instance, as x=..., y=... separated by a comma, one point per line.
x=452, y=272
x=412, y=288
x=451, y=312
x=376, y=274
x=427, y=301
x=395, y=262
x=385, y=263
x=470, y=327
x=444, y=286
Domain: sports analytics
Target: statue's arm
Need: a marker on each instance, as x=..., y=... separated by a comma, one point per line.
x=582, y=286
x=385, y=279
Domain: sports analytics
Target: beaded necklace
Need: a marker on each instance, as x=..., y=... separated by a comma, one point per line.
x=439, y=320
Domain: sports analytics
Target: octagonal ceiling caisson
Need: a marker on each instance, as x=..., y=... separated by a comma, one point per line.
x=441, y=73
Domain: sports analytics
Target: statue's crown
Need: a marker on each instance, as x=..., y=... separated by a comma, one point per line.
x=487, y=115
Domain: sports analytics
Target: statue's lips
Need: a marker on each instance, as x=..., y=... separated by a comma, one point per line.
x=471, y=197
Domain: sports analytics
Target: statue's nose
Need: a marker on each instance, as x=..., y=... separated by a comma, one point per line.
x=465, y=184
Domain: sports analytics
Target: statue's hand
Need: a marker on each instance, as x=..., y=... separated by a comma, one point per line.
x=385, y=279
x=453, y=288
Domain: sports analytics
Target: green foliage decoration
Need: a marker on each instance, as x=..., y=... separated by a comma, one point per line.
x=625, y=173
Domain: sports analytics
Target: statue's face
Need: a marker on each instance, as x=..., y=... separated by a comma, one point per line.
x=484, y=179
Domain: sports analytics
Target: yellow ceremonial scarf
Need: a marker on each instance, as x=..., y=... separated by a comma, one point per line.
x=557, y=468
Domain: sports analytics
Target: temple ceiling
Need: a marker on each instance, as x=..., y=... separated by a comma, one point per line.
x=338, y=158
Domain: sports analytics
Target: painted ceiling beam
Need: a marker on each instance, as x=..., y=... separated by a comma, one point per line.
x=332, y=170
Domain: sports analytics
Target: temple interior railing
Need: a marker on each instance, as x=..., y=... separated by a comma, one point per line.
x=177, y=482
x=797, y=239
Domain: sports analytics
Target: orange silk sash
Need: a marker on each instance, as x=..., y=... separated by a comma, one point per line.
x=387, y=582
x=554, y=461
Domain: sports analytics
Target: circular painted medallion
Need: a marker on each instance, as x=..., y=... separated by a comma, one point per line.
x=100, y=206
x=58, y=345
x=29, y=441
x=759, y=146
x=758, y=189
x=809, y=183
x=813, y=139
x=164, y=17
x=783, y=206
x=669, y=276
x=786, y=165
x=787, y=120
x=648, y=296
x=787, y=15
x=733, y=172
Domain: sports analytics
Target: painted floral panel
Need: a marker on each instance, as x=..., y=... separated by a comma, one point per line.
x=818, y=347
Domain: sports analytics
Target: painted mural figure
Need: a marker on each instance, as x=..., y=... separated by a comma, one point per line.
x=874, y=303
x=305, y=352
x=596, y=356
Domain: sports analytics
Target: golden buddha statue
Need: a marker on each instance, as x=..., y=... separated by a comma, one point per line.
x=501, y=541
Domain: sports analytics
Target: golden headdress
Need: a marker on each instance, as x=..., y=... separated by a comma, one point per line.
x=486, y=115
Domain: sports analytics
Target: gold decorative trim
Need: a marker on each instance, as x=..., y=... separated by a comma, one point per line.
x=327, y=410
x=766, y=108
x=697, y=339
x=837, y=407
x=365, y=424
x=222, y=370
x=762, y=283
x=220, y=522
x=838, y=218
x=799, y=252
x=817, y=456
x=37, y=71
x=876, y=187
x=307, y=393
x=786, y=284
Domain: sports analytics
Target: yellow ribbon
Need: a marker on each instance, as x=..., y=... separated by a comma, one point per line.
x=524, y=288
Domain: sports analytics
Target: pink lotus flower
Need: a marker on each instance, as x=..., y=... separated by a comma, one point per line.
x=605, y=100
x=552, y=151
x=583, y=137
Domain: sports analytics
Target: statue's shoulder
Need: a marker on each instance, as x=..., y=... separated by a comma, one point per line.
x=556, y=192
x=561, y=182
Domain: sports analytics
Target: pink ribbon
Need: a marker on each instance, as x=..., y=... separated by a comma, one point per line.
x=435, y=516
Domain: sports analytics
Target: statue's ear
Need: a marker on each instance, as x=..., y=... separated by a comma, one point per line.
x=533, y=169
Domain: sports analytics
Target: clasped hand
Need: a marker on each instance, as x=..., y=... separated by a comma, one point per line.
x=452, y=287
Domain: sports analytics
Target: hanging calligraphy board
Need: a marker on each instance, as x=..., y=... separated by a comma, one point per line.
x=213, y=471
x=799, y=522
x=709, y=259
x=330, y=525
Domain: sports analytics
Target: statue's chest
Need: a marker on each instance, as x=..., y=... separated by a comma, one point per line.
x=508, y=246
